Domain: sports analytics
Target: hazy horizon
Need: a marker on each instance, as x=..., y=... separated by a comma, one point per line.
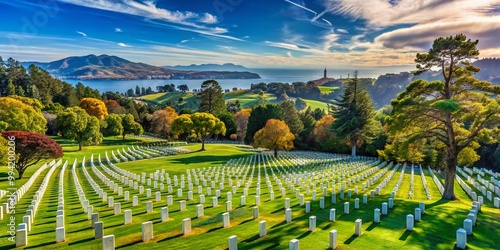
x=256, y=34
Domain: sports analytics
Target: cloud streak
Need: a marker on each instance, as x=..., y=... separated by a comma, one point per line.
x=182, y=20
x=81, y=33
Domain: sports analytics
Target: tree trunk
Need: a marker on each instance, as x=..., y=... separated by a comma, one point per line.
x=124, y=137
x=353, y=149
x=450, y=171
x=79, y=146
x=202, y=144
x=21, y=173
x=275, y=153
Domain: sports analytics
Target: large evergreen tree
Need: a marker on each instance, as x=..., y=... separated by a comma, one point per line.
x=354, y=113
x=452, y=114
x=291, y=117
x=212, y=98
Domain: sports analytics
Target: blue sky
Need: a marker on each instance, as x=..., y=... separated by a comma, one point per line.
x=254, y=33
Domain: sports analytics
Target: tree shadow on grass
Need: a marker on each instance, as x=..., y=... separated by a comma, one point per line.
x=405, y=235
x=81, y=241
x=279, y=224
x=351, y=239
x=251, y=239
x=216, y=159
x=171, y=237
x=243, y=222
x=372, y=226
x=40, y=245
x=304, y=235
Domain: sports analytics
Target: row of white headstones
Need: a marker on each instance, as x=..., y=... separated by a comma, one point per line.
x=147, y=227
x=26, y=226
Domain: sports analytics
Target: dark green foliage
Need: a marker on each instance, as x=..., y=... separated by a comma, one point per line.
x=353, y=113
x=291, y=117
x=318, y=113
x=212, y=98
x=259, y=117
x=228, y=119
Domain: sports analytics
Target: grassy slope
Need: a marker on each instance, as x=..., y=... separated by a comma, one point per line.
x=436, y=230
x=327, y=89
x=248, y=99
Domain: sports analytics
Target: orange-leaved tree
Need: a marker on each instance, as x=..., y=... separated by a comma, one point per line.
x=274, y=136
x=94, y=107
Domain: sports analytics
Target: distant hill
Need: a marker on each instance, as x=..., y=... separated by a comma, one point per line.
x=116, y=68
x=209, y=67
x=386, y=87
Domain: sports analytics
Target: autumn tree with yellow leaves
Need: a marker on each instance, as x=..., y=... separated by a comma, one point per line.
x=274, y=136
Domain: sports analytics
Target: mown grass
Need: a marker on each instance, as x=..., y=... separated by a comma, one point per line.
x=435, y=231
x=248, y=99
x=327, y=89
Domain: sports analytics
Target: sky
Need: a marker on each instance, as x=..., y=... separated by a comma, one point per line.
x=253, y=33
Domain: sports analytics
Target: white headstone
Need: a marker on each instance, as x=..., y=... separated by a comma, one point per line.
x=346, y=207
x=225, y=220
x=60, y=234
x=409, y=222
x=461, y=238
x=117, y=208
x=200, y=211
x=468, y=226
x=95, y=218
x=149, y=206
x=312, y=223
x=333, y=239
x=127, y=216
x=418, y=214
x=288, y=215
x=108, y=242
x=233, y=242
x=332, y=214
x=376, y=215
x=255, y=212
x=99, y=230
x=294, y=244
x=357, y=227
x=186, y=226
x=262, y=228
x=147, y=231
x=164, y=214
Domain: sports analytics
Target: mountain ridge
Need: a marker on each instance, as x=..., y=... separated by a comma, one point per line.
x=110, y=67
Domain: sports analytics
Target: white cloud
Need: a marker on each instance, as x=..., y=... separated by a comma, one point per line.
x=81, y=33
x=289, y=54
x=382, y=13
x=343, y=31
x=118, y=30
x=182, y=20
x=184, y=41
x=209, y=18
x=486, y=29
x=122, y=45
x=246, y=37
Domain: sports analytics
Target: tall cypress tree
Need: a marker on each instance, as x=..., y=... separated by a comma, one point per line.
x=353, y=113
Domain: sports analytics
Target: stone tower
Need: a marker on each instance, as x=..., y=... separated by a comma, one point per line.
x=324, y=73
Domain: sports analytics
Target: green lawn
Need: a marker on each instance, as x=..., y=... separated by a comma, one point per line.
x=247, y=98
x=190, y=101
x=327, y=89
x=317, y=104
x=435, y=231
